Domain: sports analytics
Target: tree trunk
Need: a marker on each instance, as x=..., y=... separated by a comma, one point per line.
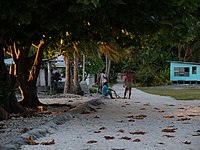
x=108, y=69
x=179, y=52
x=77, y=87
x=68, y=88
x=27, y=72
x=8, y=100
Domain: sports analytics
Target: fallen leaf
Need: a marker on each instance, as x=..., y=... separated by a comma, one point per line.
x=161, y=143
x=48, y=143
x=161, y=111
x=30, y=141
x=169, y=136
x=25, y=130
x=168, y=116
x=96, y=117
x=139, y=117
x=85, y=112
x=180, y=116
x=121, y=130
x=125, y=138
x=169, y=130
x=169, y=105
x=109, y=137
x=196, y=134
x=140, y=132
x=186, y=142
x=136, y=140
x=91, y=141
x=130, y=116
x=183, y=119
x=181, y=108
x=131, y=120
x=147, y=104
x=192, y=115
x=102, y=128
x=142, y=108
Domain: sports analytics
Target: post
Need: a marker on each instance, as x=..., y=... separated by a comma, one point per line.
x=49, y=75
x=83, y=75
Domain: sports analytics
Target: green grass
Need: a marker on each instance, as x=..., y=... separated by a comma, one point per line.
x=179, y=94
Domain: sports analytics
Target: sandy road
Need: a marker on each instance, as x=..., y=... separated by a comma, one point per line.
x=145, y=122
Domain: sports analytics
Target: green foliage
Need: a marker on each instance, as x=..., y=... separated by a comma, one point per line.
x=93, y=90
x=94, y=65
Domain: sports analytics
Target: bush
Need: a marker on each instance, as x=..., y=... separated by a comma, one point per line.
x=93, y=90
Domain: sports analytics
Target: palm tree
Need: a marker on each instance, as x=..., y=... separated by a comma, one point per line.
x=111, y=53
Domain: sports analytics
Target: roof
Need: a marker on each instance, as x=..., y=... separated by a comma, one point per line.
x=184, y=62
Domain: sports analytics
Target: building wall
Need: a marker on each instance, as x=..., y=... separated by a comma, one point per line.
x=191, y=76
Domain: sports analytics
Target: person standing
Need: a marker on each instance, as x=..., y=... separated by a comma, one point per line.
x=102, y=79
x=128, y=81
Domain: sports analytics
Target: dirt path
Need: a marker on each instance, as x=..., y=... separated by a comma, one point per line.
x=145, y=122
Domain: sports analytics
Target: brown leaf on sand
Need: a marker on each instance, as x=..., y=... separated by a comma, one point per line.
x=91, y=142
x=137, y=117
x=97, y=131
x=30, y=141
x=136, y=140
x=196, y=134
x=125, y=138
x=140, y=132
x=161, y=111
x=102, y=128
x=109, y=137
x=121, y=130
x=140, y=117
x=169, y=136
x=96, y=117
x=168, y=116
x=169, y=130
x=131, y=120
x=130, y=116
x=183, y=119
x=186, y=142
x=85, y=112
x=48, y=143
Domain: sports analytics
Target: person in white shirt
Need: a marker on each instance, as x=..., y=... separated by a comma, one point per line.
x=102, y=79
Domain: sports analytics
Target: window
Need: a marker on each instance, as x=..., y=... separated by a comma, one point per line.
x=194, y=70
x=181, y=71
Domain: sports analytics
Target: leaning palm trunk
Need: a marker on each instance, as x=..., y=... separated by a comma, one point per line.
x=108, y=69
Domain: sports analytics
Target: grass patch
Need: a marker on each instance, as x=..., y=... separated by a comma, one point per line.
x=179, y=94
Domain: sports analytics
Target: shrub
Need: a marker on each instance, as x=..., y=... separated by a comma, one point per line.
x=93, y=90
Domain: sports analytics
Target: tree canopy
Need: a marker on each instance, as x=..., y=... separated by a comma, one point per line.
x=24, y=23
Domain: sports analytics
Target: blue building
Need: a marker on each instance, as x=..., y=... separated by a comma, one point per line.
x=184, y=72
